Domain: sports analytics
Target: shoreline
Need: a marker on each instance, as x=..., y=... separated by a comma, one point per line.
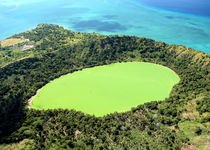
x=37, y=92
x=31, y=99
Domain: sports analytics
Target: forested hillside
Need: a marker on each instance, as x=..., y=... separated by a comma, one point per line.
x=178, y=122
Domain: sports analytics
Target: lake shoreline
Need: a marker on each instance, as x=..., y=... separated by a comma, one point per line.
x=61, y=86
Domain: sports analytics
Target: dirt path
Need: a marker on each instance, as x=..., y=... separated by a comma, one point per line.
x=15, y=61
x=31, y=99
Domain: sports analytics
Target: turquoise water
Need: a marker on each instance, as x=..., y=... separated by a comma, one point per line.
x=196, y=7
x=169, y=22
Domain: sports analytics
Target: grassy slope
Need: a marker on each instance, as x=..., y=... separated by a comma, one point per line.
x=11, y=41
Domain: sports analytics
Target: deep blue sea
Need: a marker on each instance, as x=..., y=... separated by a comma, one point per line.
x=184, y=22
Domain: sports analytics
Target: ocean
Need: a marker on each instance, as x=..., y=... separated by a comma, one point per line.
x=183, y=22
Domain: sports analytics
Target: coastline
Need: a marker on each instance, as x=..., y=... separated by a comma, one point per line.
x=182, y=28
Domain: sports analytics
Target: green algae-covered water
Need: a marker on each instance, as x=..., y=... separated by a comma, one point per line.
x=106, y=89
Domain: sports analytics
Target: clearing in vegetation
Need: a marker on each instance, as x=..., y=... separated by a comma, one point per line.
x=12, y=41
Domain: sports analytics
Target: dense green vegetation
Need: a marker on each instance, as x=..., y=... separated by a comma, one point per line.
x=154, y=125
